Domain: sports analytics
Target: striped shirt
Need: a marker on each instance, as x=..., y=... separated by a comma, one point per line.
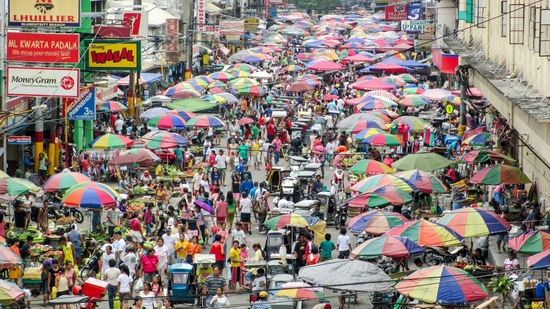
x=213, y=282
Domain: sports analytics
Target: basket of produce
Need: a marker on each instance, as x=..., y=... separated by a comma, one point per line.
x=136, y=205
x=197, y=150
x=32, y=273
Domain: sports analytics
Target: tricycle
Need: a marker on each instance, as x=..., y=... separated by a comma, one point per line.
x=181, y=284
x=328, y=205
x=275, y=177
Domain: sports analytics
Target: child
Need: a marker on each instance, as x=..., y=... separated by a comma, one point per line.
x=243, y=256
x=326, y=247
x=313, y=257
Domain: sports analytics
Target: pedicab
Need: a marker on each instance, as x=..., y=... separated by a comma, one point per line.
x=306, y=179
x=275, y=177
x=181, y=283
x=328, y=205
x=273, y=242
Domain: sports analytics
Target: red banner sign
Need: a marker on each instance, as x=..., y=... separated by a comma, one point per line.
x=396, y=12
x=42, y=47
x=172, y=30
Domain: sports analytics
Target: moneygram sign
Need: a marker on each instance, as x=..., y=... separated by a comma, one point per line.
x=42, y=82
x=44, y=13
x=114, y=55
x=81, y=107
x=42, y=47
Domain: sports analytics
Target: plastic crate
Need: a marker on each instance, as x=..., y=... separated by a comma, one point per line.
x=94, y=287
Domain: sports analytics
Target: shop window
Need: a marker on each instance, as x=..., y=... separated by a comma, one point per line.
x=517, y=27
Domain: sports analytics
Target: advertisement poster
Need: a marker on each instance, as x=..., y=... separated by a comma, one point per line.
x=414, y=11
x=396, y=12
x=81, y=107
x=42, y=82
x=137, y=21
x=44, y=13
x=42, y=47
x=201, y=14
x=114, y=55
x=172, y=31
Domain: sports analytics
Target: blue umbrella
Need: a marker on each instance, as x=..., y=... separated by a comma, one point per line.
x=450, y=138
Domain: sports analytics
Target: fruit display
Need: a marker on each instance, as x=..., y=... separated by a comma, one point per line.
x=485, y=267
x=149, y=244
x=31, y=231
x=137, y=205
x=65, y=220
x=350, y=160
x=461, y=264
x=33, y=273
x=196, y=150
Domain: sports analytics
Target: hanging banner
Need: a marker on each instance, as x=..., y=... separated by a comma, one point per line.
x=43, y=47
x=414, y=11
x=232, y=27
x=42, y=82
x=44, y=13
x=137, y=21
x=201, y=14
x=172, y=31
x=396, y=12
x=81, y=107
x=114, y=55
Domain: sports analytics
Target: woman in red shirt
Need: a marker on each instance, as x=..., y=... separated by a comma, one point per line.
x=149, y=263
x=218, y=250
x=221, y=209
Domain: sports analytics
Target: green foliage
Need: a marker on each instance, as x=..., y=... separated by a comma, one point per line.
x=320, y=6
x=503, y=285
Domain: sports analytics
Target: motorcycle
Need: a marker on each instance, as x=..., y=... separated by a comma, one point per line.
x=406, y=212
x=341, y=215
x=437, y=256
x=55, y=211
x=92, y=267
x=339, y=178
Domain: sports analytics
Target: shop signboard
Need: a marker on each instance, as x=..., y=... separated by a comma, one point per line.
x=396, y=12
x=43, y=47
x=422, y=26
x=201, y=14
x=113, y=55
x=81, y=107
x=42, y=82
x=137, y=21
x=235, y=27
x=414, y=10
x=19, y=140
x=44, y=13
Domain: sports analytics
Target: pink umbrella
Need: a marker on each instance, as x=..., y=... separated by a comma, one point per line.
x=436, y=94
x=7, y=257
x=245, y=120
x=319, y=148
x=325, y=66
x=329, y=97
x=357, y=58
x=374, y=84
x=473, y=92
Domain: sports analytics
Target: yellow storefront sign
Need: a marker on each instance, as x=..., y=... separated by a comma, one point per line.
x=114, y=55
x=45, y=13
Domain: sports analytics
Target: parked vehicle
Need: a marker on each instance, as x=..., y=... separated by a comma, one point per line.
x=92, y=267
x=437, y=256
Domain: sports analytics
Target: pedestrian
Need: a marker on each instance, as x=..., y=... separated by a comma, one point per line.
x=111, y=276
x=219, y=300
x=343, y=244
x=245, y=208
x=124, y=289
x=232, y=204
x=147, y=296
x=235, y=262
x=213, y=282
x=326, y=248
x=149, y=265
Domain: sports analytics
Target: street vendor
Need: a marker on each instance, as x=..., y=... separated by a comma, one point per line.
x=477, y=256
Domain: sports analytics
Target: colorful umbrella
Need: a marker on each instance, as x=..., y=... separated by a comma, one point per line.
x=413, y=90
x=383, y=140
x=477, y=139
x=390, y=246
x=376, y=222
x=217, y=84
x=436, y=94
x=366, y=124
x=423, y=181
x=539, y=260
x=426, y=233
x=167, y=122
x=455, y=100
x=241, y=74
x=366, y=133
x=214, y=99
x=381, y=181
x=166, y=140
x=291, y=219
x=414, y=100
x=325, y=66
x=224, y=76
x=374, y=104
x=185, y=94
x=380, y=197
x=498, y=174
x=293, y=290
x=408, y=78
x=229, y=97
x=204, y=206
x=183, y=114
x=370, y=167
x=245, y=120
x=64, y=180
x=88, y=197
x=374, y=84
x=139, y=156
x=205, y=121
x=192, y=105
x=293, y=68
x=416, y=124
x=111, y=106
x=392, y=79
x=424, y=161
x=250, y=90
x=95, y=185
x=111, y=141
x=242, y=66
x=382, y=93
x=474, y=222
x=531, y=242
x=300, y=87
x=155, y=111
x=3, y=174
x=201, y=80
x=16, y=186
x=9, y=292
x=443, y=285
x=485, y=155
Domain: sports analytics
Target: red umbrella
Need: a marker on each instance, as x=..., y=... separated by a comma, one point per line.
x=245, y=120
x=358, y=58
x=389, y=68
x=374, y=84
x=300, y=87
x=325, y=66
x=473, y=92
x=329, y=97
x=216, y=90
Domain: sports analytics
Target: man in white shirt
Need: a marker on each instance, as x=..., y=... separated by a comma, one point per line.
x=245, y=210
x=285, y=205
x=221, y=164
x=119, y=123
x=331, y=147
x=170, y=242
x=238, y=234
x=161, y=251
x=233, y=128
x=28, y=201
x=119, y=247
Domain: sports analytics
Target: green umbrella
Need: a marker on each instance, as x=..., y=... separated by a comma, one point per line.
x=424, y=161
x=192, y=105
x=16, y=186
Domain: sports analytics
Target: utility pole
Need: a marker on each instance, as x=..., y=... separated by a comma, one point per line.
x=133, y=91
x=463, y=76
x=189, y=39
x=4, y=154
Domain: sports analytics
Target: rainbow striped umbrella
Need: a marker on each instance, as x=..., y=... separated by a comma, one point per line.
x=214, y=99
x=166, y=140
x=374, y=104
x=10, y=293
x=201, y=80
x=111, y=106
x=453, y=99
x=291, y=219
x=383, y=140
x=413, y=90
x=94, y=184
x=380, y=197
x=366, y=133
x=183, y=114
x=241, y=74
x=88, y=197
x=390, y=246
x=205, y=121
x=426, y=233
x=395, y=54
x=376, y=222
x=242, y=66
x=181, y=87
x=498, y=174
x=241, y=82
x=293, y=68
x=539, y=260
x=381, y=181
x=425, y=182
x=17, y=186
x=479, y=139
x=366, y=124
x=263, y=50
x=370, y=167
x=531, y=242
x=474, y=222
x=444, y=285
x=167, y=121
x=408, y=78
x=250, y=90
x=223, y=76
x=64, y=180
x=393, y=79
x=414, y=100
x=191, y=86
x=416, y=124
x=382, y=114
x=111, y=141
x=353, y=45
x=217, y=84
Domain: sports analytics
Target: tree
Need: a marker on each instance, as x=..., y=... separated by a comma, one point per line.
x=503, y=285
x=320, y=6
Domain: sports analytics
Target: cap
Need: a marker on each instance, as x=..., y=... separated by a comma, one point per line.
x=118, y=233
x=263, y=294
x=168, y=229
